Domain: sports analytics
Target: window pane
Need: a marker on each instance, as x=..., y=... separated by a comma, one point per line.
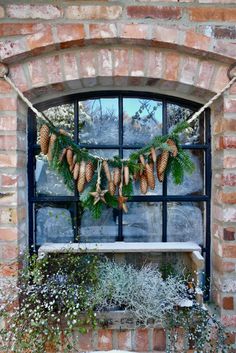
x=193, y=184
x=104, y=153
x=136, y=184
x=62, y=116
x=54, y=224
x=143, y=222
x=105, y=229
x=98, y=121
x=48, y=181
x=176, y=114
x=142, y=120
x=185, y=221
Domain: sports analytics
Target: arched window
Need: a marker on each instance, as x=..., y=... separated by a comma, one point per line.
x=116, y=123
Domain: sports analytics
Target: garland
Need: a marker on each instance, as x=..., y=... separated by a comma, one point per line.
x=94, y=180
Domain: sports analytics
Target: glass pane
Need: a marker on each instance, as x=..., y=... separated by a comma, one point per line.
x=101, y=230
x=185, y=221
x=193, y=183
x=62, y=116
x=142, y=120
x=48, y=181
x=176, y=114
x=98, y=121
x=54, y=224
x=104, y=153
x=143, y=222
x=136, y=184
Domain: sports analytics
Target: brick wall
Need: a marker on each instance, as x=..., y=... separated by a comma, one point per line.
x=178, y=47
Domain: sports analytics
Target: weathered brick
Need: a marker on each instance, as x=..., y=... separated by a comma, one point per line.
x=206, y=14
x=9, y=251
x=2, y=12
x=205, y=75
x=172, y=61
x=221, y=266
x=229, y=179
x=197, y=40
x=68, y=33
x=10, y=48
x=224, y=48
x=18, y=77
x=134, y=31
x=229, y=162
x=189, y=68
x=155, y=62
x=154, y=12
x=87, y=64
x=137, y=62
x=225, y=32
x=7, y=29
x=105, y=340
x=84, y=341
x=226, y=142
x=159, y=340
x=5, y=87
x=121, y=62
x=229, y=320
x=8, y=104
x=93, y=12
x=141, y=340
x=40, y=40
x=230, y=105
x=229, y=233
x=70, y=66
x=163, y=34
x=124, y=340
x=105, y=62
x=229, y=250
x=37, y=72
x=223, y=125
x=8, y=234
x=9, y=270
x=102, y=30
x=228, y=303
x=45, y=12
x=53, y=67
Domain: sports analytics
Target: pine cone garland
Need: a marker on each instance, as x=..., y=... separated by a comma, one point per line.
x=153, y=154
x=44, y=138
x=162, y=162
x=64, y=132
x=106, y=170
x=126, y=175
x=76, y=171
x=89, y=171
x=116, y=176
x=63, y=154
x=111, y=188
x=143, y=184
x=173, y=146
x=52, y=140
x=150, y=176
x=81, y=179
x=69, y=156
x=160, y=177
x=142, y=159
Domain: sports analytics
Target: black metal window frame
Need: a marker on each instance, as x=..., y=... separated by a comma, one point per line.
x=33, y=148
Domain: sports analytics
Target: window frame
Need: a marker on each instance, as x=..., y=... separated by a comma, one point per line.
x=164, y=198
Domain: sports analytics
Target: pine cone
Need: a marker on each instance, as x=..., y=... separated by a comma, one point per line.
x=116, y=176
x=81, y=180
x=44, y=138
x=63, y=154
x=172, y=144
x=160, y=177
x=162, y=162
x=106, y=170
x=89, y=171
x=69, y=156
x=52, y=140
x=143, y=184
x=64, y=132
x=150, y=176
x=126, y=175
x=142, y=159
x=111, y=188
x=153, y=154
x=76, y=171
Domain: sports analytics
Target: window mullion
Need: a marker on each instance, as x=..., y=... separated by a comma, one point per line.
x=120, y=214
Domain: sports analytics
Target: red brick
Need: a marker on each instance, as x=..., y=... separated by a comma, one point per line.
x=230, y=338
x=137, y=31
x=2, y=12
x=224, y=48
x=220, y=79
x=40, y=40
x=163, y=34
x=5, y=87
x=205, y=74
x=70, y=66
x=9, y=270
x=102, y=30
x=197, y=40
x=105, y=62
x=222, y=266
x=159, y=340
x=154, y=12
x=37, y=72
x=105, y=340
x=53, y=67
x=230, y=105
x=225, y=32
x=141, y=340
x=8, y=234
x=18, y=77
x=226, y=142
x=124, y=340
x=229, y=250
x=189, y=68
x=223, y=125
x=137, y=62
x=87, y=64
x=229, y=233
x=121, y=62
x=93, y=12
x=45, y=12
x=172, y=61
x=9, y=251
x=8, y=104
x=229, y=179
x=154, y=67
x=229, y=320
x=206, y=14
x=7, y=29
x=68, y=33
x=230, y=162
x=228, y=303
x=10, y=48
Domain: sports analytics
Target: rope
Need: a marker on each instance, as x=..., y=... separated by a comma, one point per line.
x=201, y=110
